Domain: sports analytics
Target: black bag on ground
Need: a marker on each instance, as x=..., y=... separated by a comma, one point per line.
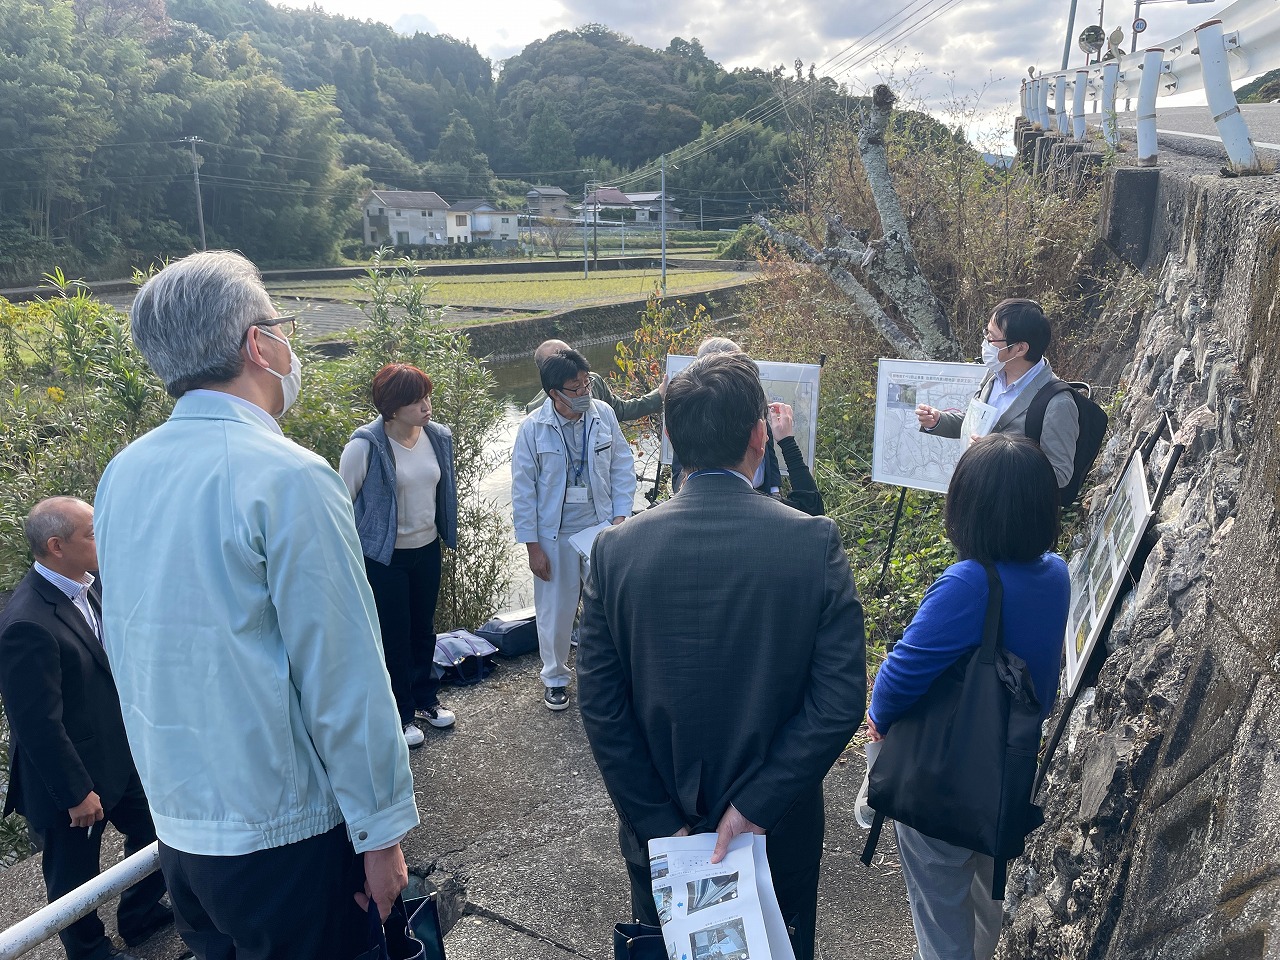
x=1093, y=428
x=959, y=765
x=514, y=633
x=638, y=941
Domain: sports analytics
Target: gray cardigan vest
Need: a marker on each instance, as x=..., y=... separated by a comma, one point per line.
x=376, y=503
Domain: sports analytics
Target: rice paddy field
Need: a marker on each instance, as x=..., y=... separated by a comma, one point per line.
x=534, y=291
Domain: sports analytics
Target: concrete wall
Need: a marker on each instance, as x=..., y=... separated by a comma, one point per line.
x=1162, y=839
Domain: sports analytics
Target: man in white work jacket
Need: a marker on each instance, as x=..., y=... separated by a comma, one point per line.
x=571, y=469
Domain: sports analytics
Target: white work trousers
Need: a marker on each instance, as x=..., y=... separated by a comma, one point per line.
x=556, y=603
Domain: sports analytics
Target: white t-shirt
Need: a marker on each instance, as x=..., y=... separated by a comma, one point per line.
x=417, y=476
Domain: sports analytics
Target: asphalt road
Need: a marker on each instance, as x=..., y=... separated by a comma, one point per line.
x=1190, y=130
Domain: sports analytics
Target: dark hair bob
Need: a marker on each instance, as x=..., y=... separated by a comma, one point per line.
x=1003, y=501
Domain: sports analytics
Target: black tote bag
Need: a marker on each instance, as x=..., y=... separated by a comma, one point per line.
x=411, y=932
x=959, y=765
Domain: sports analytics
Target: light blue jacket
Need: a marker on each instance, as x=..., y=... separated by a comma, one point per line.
x=244, y=640
x=540, y=468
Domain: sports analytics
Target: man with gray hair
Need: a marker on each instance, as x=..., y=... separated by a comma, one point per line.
x=70, y=771
x=244, y=638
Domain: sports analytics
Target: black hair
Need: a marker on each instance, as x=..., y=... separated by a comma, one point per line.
x=711, y=408
x=561, y=367
x=1002, y=503
x=1023, y=321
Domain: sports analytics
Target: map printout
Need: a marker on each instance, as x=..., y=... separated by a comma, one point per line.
x=795, y=384
x=903, y=455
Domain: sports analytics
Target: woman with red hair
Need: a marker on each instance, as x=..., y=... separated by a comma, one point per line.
x=399, y=469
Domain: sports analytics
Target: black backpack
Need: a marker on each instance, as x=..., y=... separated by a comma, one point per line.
x=1093, y=428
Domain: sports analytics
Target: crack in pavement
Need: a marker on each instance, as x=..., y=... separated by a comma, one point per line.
x=474, y=909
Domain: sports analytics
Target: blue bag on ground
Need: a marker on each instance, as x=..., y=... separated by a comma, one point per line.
x=514, y=632
x=462, y=658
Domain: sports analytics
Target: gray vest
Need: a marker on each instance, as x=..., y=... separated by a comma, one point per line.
x=375, y=505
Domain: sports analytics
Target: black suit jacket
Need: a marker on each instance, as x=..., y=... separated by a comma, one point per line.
x=721, y=659
x=66, y=732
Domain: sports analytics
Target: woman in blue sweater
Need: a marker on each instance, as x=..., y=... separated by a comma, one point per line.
x=1002, y=508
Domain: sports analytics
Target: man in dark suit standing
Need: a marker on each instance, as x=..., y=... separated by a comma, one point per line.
x=721, y=664
x=70, y=766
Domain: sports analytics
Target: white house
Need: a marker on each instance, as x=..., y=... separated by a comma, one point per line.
x=488, y=223
x=408, y=218
x=651, y=209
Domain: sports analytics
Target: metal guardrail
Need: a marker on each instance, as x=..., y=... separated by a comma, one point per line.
x=1243, y=41
x=48, y=921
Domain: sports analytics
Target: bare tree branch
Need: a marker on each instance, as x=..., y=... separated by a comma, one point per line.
x=862, y=299
x=887, y=263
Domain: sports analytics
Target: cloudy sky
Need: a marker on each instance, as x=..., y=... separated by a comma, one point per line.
x=958, y=44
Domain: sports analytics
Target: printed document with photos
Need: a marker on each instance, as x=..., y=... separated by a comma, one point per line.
x=978, y=420
x=721, y=911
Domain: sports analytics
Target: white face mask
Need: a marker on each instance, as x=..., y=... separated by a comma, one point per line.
x=291, y=382
x=991, y=357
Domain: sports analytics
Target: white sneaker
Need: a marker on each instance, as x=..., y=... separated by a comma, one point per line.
x=437, y=716
x=413, y=736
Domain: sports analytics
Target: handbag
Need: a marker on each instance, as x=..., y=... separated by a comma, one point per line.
x=411, y=932
x=638, y=941
x=514, y=633
x=960, y=764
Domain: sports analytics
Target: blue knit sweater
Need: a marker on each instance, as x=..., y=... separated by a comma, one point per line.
x=949, y=624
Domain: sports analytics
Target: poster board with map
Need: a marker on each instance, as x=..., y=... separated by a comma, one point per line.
x=1098, y=570
x=903, y=455
x=795, y=384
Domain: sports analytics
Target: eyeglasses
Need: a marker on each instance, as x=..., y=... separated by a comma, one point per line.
x=576, y=391
x=991, y=339
x=287, y=322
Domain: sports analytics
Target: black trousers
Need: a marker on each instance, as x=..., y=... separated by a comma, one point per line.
x=71, y=859
x=794, y=848
x=286, y=903
x=406, y=591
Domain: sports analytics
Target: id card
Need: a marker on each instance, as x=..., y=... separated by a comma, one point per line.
x=575, y=495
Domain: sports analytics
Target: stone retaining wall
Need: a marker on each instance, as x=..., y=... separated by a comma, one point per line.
x=1161, y=837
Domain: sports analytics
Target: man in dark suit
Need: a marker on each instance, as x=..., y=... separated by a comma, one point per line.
x=721, y=665
x=70, y=763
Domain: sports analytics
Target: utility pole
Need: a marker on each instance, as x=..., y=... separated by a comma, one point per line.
x=1071, y=28
x=700, y=227
x=662, y=223
x=585, y=186
x=195, y=173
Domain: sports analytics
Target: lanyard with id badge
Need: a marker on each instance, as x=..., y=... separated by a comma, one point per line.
x=576, y=491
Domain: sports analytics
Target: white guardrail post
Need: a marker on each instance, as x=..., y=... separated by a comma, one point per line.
x=1042, y=104
x=1079, y=126
x=1033, y=102
x=1148, y=88
x=63, y=912
x=1241, y=155
x=1110, y=74
x=1060, y=102
x=1022, y=99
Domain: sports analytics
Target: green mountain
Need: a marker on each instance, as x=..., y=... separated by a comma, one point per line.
x=295, y=113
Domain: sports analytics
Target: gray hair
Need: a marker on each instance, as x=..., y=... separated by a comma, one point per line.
x=717, y=345
x=189, y=320
x=49, y=519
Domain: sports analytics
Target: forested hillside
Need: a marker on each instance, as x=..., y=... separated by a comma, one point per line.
x=295, y=113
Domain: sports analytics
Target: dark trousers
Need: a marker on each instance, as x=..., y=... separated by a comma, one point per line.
x=71, y=859
x=406, y=591
x=285, y=903
x=794, y=848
